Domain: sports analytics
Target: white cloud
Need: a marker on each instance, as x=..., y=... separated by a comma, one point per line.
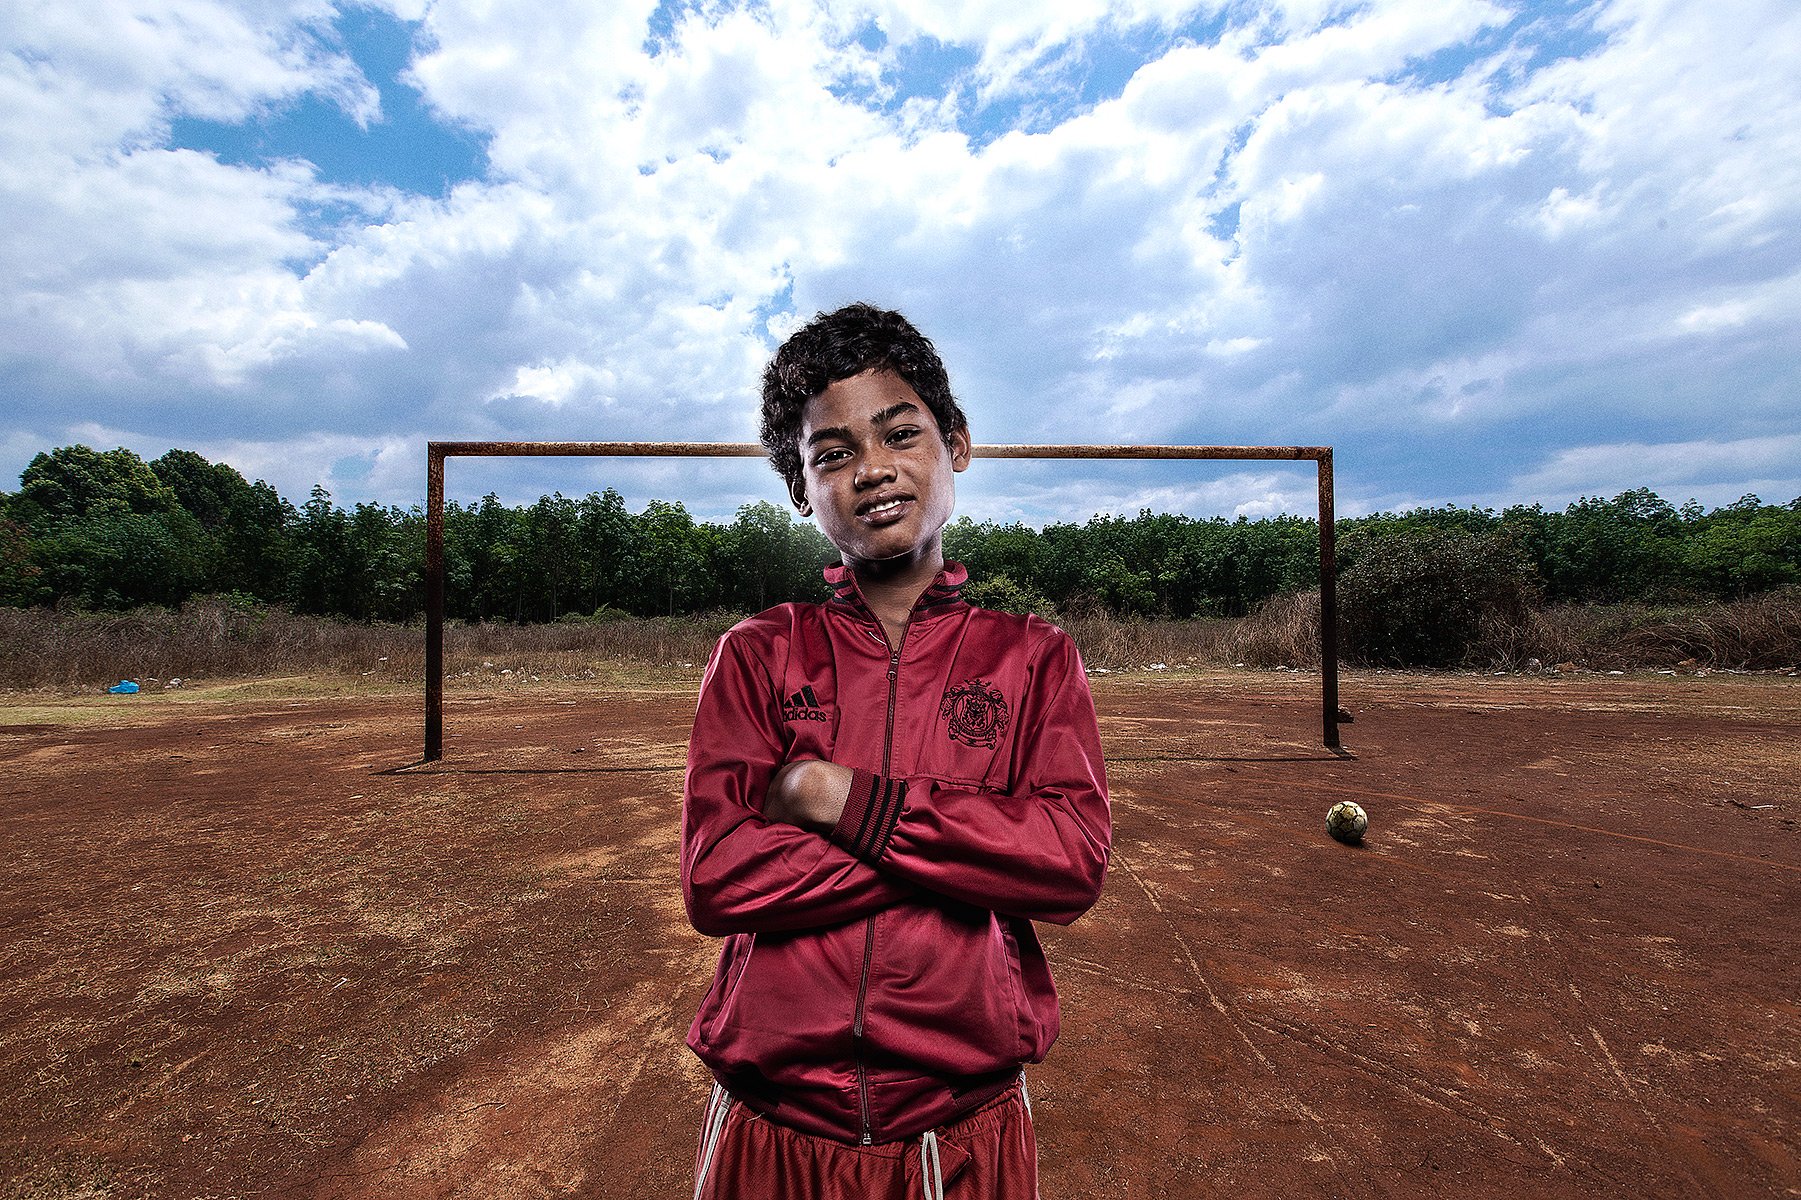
x=117, y=74
x=1562, y=213
x=556, y=384
x=1287, y=234
x=1732, y=306
x=1038, y=492
x=1012, y=38
x=1709, y=469
x=136, y=270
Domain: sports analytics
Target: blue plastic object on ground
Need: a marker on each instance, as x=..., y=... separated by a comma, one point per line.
x=124, y=687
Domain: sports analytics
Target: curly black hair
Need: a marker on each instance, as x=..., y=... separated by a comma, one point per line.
x=839, y=345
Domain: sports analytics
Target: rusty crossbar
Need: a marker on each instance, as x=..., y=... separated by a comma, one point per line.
x=437, y=452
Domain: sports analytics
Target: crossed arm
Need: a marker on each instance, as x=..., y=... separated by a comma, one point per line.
x=808, y=792
x=773, y=845
x=745, y=870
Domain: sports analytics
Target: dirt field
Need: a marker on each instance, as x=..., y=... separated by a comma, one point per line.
x=244, y=953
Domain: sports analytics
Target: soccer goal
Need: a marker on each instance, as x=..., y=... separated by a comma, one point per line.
x=437, y=452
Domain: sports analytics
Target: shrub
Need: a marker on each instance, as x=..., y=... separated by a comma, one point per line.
x=1429, y=597
x=999, y=592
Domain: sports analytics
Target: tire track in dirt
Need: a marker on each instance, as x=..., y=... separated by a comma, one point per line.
x=1102, y=971
x=1416, y=1085
x=1413, y=1084
x=1632, y=1094
x=458, y=1137
x=1232, y=1020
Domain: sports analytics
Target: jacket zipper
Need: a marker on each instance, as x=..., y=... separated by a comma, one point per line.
x=894, y=658
x=893, y=689
x=856, y=1030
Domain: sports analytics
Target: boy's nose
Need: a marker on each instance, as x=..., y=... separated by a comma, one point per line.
x=876, y=467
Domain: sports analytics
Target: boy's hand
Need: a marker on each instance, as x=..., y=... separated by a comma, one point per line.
x=808, y=793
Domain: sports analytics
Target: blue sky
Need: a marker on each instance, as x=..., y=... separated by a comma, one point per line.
x=401, y=145
x=1491, y=252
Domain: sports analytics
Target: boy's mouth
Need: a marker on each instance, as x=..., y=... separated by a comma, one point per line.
x=884, y=510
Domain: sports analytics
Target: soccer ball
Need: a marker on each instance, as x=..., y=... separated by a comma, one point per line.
x=1346, y=822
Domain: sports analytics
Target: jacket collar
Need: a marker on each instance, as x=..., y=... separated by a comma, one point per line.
x=945, y=591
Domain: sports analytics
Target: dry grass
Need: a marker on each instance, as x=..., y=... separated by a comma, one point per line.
x=207, y=639
x=69, y=1177
x=1116, y=644
x=1762, y=633
x=67, y=648
x=1282, y=632
x=213, y=640
x=574, y=651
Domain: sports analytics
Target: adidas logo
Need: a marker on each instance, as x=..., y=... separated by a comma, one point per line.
x=803, y=706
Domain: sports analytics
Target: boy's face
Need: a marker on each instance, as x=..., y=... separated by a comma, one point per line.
x=875, y=471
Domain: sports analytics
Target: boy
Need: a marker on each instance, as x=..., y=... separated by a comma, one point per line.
x=883, y=793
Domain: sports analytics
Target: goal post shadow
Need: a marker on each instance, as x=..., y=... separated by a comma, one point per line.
x=437, y=452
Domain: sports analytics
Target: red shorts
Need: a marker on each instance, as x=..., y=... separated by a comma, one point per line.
x=992, y=1154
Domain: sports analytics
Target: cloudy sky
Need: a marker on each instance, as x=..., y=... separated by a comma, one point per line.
x=1493, y=251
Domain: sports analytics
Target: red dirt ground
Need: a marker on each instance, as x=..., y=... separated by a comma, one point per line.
x=243, y=955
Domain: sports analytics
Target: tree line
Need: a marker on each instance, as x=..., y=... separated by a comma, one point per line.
x=107, y=530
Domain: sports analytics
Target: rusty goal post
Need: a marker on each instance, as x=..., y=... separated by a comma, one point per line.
x=437, y=452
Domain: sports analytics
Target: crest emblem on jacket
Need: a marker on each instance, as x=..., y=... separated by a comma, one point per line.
x=977, y=713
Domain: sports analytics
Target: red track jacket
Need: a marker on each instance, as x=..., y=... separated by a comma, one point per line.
x=887, y=980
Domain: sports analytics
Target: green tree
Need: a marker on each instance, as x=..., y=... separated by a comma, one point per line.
x=101, y=529
x=1742, y=549
x=119, y=560
x=320, y=581
x=762, y=548
x=998, y=591
x=247, y=523
x=19, y=571
x=382, y=581
x=73, y=482
x=482, y=559
x=669, y=558
x=1607, y=551
x=606, y=534
x=550, y=565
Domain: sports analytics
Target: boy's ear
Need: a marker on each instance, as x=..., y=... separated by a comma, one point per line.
x=960, y=449
x=797, y=492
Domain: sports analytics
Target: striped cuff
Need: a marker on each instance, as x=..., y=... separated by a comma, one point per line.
x=870, y=814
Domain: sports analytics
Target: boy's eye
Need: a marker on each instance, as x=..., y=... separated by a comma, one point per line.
x=905, y=433
x=827, y=457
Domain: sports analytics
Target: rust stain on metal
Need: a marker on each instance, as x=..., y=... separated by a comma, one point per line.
x=755, y=450
x=596, y=449
x=437, y=452
x=1328, y=601
x=434, y=605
